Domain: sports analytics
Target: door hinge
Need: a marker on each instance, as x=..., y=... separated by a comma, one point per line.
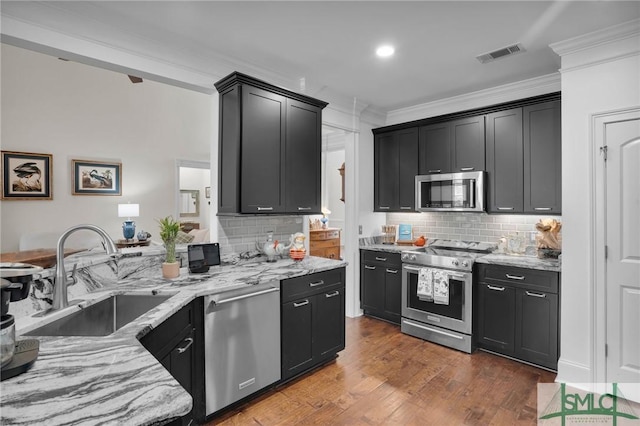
x=606, y=252
x=606, y=350
x=603, y=151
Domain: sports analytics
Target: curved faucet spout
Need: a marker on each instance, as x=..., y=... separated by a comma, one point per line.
x=60, y=298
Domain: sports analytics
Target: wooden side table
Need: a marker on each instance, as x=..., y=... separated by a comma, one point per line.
x=132, y=243
x=325, y=243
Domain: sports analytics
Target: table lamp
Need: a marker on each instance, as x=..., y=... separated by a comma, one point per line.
x=128, y=226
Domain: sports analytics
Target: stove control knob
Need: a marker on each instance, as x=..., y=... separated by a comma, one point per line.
x=465, y=263
x=413, y=257
x=405, y=256
x=455, y=262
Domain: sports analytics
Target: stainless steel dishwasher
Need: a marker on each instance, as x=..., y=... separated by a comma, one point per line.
x=242, y=343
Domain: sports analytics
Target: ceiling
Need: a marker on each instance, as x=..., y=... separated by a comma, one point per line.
x=327, y=47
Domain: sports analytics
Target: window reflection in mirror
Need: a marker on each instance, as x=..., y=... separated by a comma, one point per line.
x=189, y=203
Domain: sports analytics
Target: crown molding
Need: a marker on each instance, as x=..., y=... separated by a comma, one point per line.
x=505, y=93
x=606, y=45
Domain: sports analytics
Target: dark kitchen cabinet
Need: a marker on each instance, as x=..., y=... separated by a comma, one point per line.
x=468, y=144
x=269, y=148
x=313, y=320
x=542, y=158
x=452, y=146
x=524, y=159
x=435, y=149
x=505, y=161
x=381, y=285
x=518, y=313
x=178, y=344
x=395, y=168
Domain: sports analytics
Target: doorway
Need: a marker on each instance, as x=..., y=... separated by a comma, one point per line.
x=193, y=193
x=617, y=141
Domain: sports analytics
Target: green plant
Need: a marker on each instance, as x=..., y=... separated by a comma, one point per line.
x=169, y=228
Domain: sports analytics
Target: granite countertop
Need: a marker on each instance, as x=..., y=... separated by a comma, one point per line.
x=531, y=262
x=113, y=379
x=391, y=248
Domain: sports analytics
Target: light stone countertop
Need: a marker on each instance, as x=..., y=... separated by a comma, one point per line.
x=530, y=262
x=113, y=379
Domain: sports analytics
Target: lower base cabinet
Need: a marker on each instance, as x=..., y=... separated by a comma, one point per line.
x=313, y=320
x=518, y=313
x=178, y=344
x=381, y=284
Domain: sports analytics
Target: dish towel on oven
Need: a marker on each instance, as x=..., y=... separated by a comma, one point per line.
x=440, y=287
x=425, y=284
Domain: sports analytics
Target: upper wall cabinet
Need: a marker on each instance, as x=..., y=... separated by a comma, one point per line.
x=395, y=168
x=524, y=159
x=452, y=146
x=269, y=148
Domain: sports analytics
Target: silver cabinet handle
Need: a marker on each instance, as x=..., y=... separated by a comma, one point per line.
x=435, y=171
x=304, y=208
x=467, y=169
x=334, y=294
x=392, y=271
x=540, y=295
x=542, y=209
x=505, y=208
x=515, y=277
x=406, y=207
x=189, y=341
x=265, y=209
x=491, y=287
x=384, y=207
x=297, y=305
x=369, y=267
x=381, y=259
x=316, y=284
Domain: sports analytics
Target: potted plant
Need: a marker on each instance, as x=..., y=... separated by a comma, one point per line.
x=168, y=232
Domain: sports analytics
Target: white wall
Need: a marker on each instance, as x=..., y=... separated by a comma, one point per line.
x=597, y=76
x=75, y=111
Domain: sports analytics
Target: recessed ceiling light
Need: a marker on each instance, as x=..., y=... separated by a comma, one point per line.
x=385, y=51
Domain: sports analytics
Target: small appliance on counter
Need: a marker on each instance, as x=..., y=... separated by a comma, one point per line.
x=202, y=256
x=16, y=356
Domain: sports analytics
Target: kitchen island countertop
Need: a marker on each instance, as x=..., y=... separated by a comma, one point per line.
x=531, y=262
x=113, y=379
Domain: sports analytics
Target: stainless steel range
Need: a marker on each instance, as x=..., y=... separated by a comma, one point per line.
x=437, y=292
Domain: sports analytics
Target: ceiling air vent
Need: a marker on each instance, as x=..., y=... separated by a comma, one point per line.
x=501, y=53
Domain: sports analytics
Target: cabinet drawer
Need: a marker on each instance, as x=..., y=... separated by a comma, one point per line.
x=324, y=235
x=329, y=253
x=170, y=332
x=520, y=277
x=325, y=243
x=293, y=288
x=381, y=257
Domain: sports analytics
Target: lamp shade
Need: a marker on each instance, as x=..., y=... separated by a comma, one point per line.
x=128, y=210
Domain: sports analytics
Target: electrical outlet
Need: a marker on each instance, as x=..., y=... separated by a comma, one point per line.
x=359, y=229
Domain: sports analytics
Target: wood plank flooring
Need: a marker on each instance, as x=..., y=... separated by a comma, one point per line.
x=384, y=377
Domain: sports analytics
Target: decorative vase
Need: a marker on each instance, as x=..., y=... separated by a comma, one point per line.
x=170, y=270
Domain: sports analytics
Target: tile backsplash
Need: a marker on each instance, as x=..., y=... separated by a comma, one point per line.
x=480, y=227
x=237, y=234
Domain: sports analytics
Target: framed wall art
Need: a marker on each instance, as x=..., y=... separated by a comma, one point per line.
x=96, y=178
x=26, y=176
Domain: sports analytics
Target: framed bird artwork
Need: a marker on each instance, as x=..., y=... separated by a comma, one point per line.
x=26, y=176
x=96, y=178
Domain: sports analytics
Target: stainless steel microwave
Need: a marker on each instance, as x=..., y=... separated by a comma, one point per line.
x=450, y=192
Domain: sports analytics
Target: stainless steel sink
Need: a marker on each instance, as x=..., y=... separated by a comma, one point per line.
x=102, y=318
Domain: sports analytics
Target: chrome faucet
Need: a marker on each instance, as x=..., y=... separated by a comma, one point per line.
x=60, y=298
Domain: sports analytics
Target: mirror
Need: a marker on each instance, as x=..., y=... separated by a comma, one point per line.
x=189, y=202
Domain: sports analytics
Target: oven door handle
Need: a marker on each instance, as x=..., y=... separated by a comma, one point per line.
x=451, y=274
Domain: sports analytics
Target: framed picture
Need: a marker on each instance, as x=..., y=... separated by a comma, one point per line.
x=405, y=233
x=26, y=176
x=207, y=192
x=96, y=178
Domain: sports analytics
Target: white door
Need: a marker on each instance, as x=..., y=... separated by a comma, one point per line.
x=622, y=236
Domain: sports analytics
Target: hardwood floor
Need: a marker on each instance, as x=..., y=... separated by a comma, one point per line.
x=384, y=377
